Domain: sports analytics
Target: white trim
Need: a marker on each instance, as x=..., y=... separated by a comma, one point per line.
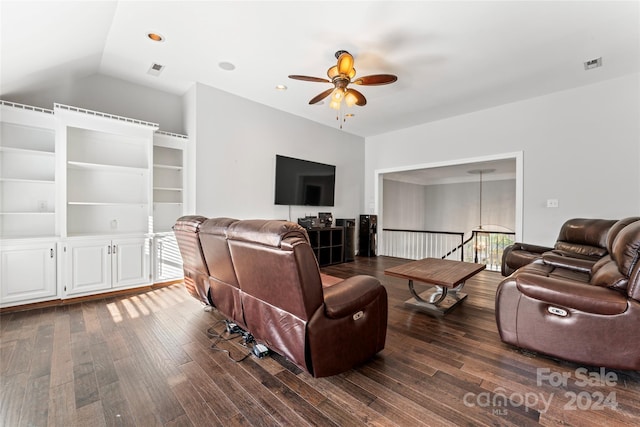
x=57, y=106
x=517, y=156
x=175, y=135
x=25, y=107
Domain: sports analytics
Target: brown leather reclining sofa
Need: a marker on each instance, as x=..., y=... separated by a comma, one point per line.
x=576, y=309
x=579, y=238
x=263, y=275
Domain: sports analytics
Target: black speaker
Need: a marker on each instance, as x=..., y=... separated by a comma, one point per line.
x=367, y=235
x=349, y=238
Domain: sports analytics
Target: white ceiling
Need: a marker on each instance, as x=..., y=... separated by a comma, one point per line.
x=451, y=57
x=492, y=170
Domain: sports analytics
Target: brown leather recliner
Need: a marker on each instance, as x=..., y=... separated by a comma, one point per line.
x=264, y=276
x=579, y=238
x=224, y=289
x=573, y=312
x=196, y=273
x=325, y=331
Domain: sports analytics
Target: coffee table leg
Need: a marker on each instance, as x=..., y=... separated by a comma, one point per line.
x=436, y=298
x=457, y=288
x=438, y=301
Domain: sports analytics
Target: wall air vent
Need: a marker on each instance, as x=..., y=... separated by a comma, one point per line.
x=593, y=63
x=155, y=69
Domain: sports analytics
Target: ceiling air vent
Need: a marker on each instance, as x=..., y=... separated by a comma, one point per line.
x=155, y=69
x=593, y=63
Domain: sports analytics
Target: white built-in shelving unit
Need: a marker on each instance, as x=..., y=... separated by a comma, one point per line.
x=27, y=172
x=28, y=216
x=108, y=173
x=87, y=201
x=169, y=160
x=168, y=179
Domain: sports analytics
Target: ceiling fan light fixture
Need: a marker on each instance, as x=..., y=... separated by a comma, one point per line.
x=350, y=99
x=333, y=72
x=345, y=63
x=341, y=76
x=337, y=94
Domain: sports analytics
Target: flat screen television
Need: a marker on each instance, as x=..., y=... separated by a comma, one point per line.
x=304, y=183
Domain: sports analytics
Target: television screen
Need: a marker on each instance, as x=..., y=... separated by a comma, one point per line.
x=304, y=183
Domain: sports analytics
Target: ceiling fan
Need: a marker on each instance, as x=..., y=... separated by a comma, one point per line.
x=341, y=75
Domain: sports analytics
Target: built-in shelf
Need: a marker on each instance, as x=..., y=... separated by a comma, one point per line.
x=106, y=204
x=27, y=213
x=108, y=173
x=167, y=189
x=27, y=172
x=27, y=151
x=105, y=167
x=170, y=167
x=28, y=181
x=168, y=180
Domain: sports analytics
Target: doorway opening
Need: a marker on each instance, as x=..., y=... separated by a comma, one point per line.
x=430, y=210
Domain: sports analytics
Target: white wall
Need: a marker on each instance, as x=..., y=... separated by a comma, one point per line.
x=580, y=146
x=114, y=96
x=237, y=141
x=449, y=207
x=404, y=205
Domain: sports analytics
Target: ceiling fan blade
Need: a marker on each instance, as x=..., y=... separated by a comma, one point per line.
x=321, y=96
x=376, y=79
x=361, y=100
x=309, y=79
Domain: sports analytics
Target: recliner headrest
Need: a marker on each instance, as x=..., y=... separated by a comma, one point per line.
x=583, y=231
x=217, y=226
x=190, y=223
x=265, y=232
x=617, y=227
x=626, y=248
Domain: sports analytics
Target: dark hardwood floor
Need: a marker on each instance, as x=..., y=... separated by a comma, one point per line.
x=146, y=360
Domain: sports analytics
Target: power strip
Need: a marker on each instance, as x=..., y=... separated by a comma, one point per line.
x=233, y=328
x=260, y=350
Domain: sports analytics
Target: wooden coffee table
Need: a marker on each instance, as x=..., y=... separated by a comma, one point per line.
x=445, y=275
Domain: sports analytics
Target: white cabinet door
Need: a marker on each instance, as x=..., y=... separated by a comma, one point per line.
x=130, y=260
x=88, y=266
x=27, y=273
x=167, y=259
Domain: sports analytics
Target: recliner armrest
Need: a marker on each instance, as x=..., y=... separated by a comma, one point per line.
x=576, y=264
x=571, y=294
x=536, y=249
x=520, y=254
x=348, y=296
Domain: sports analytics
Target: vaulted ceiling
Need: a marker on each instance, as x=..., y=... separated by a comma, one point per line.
x=451, y=57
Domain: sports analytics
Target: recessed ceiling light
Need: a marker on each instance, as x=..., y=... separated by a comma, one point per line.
x=227, y=66
x=156, y=37
x=281, y=87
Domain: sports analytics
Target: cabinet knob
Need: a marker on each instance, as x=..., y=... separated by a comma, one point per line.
x=51, y=252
